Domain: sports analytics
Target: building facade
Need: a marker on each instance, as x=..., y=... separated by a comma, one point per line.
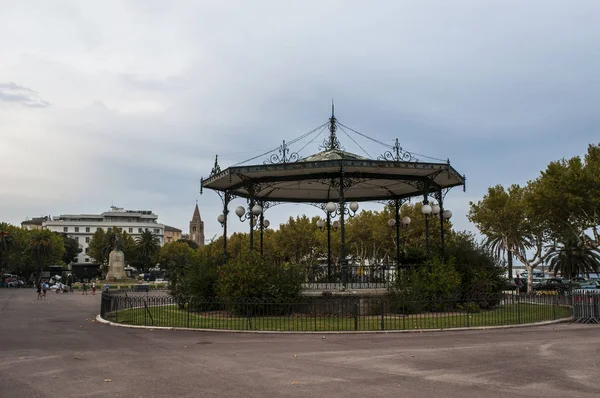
x=82, y=227
x=34, y=223
x=172, y=234
x=197, y=228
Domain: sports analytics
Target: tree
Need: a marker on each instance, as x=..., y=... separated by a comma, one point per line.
x=72, y=248
x=189, y=242
x=7, y=242
x=147, y=246
x=565, y=199
x=97, y=247
x=502, y=217
x=46, y=248
x=574, y=257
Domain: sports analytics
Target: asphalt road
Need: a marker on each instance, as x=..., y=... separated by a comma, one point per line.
x=54, y=348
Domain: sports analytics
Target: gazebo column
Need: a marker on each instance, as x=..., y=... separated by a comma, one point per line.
x=251, y=205
x=343, y=232
x=426, y=202
x=441, y=202
x=397, y=206
x=226, y=199
x=262, y=226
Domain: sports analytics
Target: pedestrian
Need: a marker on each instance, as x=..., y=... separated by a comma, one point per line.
x=84, y=288
x=44, y=289
x=70, y=286
x=106, y=287
x=39, y=290
x=518, y=284
x=93, y=288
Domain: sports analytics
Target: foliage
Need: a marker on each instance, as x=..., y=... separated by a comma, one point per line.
x=192, y=274
x=190, y=243
x=147, y=245
x=7, y=242
x=46, y=248
x=97, y=248
x=431, y=287
x=480, y=273
x=251, y=276
x=574, y=257
x=72, y=248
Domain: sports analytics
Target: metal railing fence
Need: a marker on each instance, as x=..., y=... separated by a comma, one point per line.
x=331, y=313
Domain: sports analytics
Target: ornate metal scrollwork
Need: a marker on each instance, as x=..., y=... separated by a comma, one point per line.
x=397, y=154
x=335, y=182
x=216, y=168
x=284, y=155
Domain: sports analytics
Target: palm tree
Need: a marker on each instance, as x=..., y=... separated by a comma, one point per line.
x=506, y=243
x=41, y=250
x=574, y=257
x=146, y=246
x=7, y=241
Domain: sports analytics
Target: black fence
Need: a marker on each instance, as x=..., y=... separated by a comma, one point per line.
x=374, y=276
x=331, y=313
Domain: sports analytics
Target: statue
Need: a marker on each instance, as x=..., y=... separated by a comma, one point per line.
x=116, y=261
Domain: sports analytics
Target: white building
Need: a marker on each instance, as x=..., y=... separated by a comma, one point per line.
x=81, y=227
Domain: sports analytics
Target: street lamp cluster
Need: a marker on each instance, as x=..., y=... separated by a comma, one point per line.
x=255, y=211
x=332, y=210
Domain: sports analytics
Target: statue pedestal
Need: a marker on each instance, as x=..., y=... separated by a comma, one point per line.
x=116, y=265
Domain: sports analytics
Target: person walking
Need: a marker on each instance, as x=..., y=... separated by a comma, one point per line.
x=84, y=288
x=39, y=290
x=518, y=284
x=44, y=289
x=93, y=288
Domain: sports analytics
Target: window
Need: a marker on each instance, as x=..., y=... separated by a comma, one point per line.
x=66, y=229
x=87, y=260
x=130, y=230
x=87, y=229
x=108, y=229
x=156, y=230
x=76, y=239
x=139, y=230
x=76, y=229
x=193, y=229
x=87, y=239
x=87, y=250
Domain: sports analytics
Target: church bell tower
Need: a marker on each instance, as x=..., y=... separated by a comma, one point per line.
x=197, y=227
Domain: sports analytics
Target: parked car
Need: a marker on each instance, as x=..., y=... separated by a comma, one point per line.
x=589, y=285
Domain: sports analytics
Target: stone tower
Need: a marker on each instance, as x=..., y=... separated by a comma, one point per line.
x=197, y=227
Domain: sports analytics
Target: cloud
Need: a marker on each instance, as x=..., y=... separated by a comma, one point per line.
x=145, y=93
x=12, y=92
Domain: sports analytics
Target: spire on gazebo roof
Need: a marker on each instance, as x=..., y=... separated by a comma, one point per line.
x=332, y=141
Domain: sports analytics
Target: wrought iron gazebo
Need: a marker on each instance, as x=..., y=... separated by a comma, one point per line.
x=333, y=176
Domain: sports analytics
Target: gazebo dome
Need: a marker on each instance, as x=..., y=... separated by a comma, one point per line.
x=332, y=154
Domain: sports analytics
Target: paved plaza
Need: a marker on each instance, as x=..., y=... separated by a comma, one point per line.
x=55, y=348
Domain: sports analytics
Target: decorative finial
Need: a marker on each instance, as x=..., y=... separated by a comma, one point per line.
x=216, y=168
x=332, y=142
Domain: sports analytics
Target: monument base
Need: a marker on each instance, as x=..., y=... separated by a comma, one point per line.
x=116, y=265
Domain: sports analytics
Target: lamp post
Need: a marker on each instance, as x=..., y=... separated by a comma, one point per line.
x=426, y=210
x=329, y=208
x=444, y=216
x=332, y=210
x=397, y=223
x=255, y=211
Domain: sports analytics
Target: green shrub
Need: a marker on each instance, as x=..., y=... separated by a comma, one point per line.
x=253, y=278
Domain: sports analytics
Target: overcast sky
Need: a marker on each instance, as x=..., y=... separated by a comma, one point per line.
x=127, y=102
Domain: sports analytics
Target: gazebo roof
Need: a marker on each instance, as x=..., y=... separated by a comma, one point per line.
x=318, y=178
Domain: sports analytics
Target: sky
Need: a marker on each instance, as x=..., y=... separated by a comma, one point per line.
x=127, y=102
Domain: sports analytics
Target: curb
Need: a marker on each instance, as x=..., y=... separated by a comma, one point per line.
x=99, y=319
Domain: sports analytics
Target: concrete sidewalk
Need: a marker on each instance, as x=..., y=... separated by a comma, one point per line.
x=54, y=347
